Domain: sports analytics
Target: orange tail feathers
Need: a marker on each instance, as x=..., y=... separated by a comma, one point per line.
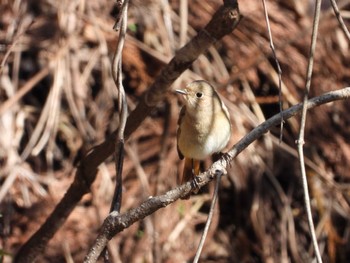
x=191, y=169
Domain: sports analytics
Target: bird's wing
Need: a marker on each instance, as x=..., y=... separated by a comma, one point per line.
x=182, y=114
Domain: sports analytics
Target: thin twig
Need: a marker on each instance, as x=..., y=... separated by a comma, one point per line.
x=300, y=141
x=123, y=113
x=210, y=217
x=340, y=19
x=279, y=70
x=116, y=223
x=120, y=4
x=123, y=109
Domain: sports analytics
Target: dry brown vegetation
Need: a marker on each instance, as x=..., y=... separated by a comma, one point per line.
x=58, y=100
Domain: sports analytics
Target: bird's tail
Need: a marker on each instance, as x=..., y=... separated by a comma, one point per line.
x=191, y=169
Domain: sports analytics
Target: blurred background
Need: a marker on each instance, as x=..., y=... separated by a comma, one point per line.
x=58, y=99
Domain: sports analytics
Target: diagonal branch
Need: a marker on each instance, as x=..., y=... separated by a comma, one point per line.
x=116, y=223
x=223, y=22
x=340, y=19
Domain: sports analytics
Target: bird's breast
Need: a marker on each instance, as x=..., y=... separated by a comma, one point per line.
x=203, y=136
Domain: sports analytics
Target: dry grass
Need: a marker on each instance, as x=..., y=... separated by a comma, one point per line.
x=58, y=99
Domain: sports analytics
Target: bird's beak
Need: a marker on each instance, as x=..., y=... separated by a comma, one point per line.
x=180, y=91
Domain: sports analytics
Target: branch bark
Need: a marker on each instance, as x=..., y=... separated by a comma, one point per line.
x=223, y=22
x=116, y=223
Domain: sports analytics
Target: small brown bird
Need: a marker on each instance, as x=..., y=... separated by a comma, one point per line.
x=204, y=126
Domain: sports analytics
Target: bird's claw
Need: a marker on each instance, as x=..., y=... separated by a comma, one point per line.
x=195, y=184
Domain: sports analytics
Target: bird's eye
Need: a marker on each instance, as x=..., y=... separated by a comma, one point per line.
x=199, y=94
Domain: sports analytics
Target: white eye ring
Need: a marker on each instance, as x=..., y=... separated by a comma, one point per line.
x=199, y=94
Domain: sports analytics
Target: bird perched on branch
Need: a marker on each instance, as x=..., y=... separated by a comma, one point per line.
x=204, y=126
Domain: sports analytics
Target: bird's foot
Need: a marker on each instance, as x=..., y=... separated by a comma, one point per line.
x=195, y=184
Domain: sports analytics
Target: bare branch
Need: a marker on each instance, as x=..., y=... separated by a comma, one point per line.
x=300, y=141
x=340, y=19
